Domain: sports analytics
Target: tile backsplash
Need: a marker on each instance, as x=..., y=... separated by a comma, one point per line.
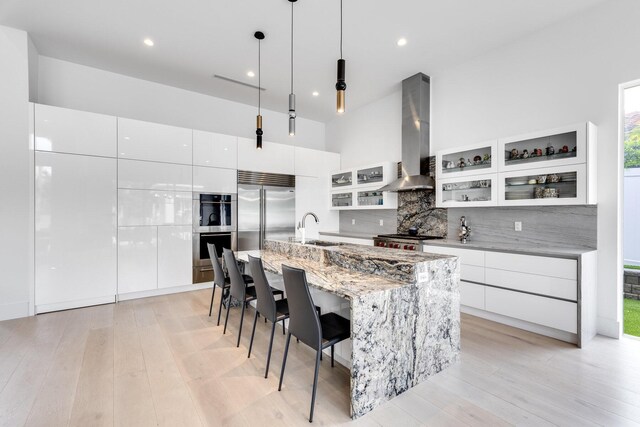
x=368, y=221
x=541, y=225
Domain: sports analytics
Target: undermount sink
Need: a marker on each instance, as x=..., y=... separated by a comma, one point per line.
x=322, y=243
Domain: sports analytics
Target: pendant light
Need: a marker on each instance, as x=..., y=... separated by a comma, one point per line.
x=292, y=96
x=341, y=85
x=260, y=36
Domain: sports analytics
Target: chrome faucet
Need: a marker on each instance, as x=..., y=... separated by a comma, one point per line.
x=301, y=226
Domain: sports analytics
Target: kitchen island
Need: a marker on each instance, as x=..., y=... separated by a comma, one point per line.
x=404, y=309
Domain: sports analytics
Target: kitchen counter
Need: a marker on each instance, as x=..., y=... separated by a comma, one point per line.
x=404, y=309
x=352, y=235
x=524, y=249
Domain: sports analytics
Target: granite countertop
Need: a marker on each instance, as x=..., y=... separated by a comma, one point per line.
x=348, y=271
x=353, y=235
x=515, y=247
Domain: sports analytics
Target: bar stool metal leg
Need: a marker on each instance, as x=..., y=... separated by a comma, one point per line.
x=213, y=294
x=240, y=330
x=220, y=307
x=226, y=318
x=284, y=360
x=315, y=385
x=273, y=330
x=332, y=356
x=253, y=332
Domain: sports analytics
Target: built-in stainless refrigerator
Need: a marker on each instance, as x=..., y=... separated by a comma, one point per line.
x=265, y=212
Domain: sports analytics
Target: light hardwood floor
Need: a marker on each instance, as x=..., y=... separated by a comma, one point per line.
x=162, y=361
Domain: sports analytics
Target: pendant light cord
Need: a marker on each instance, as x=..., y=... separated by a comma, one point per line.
x=291, y=47
x=341, y=29
x=259, y=76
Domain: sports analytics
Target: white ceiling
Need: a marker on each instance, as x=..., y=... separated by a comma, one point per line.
x=195, y=39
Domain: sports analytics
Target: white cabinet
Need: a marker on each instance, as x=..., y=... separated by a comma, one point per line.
x=358, y=188
x=552, y=313
x=155, y=142
x=174, y=256
x=552, y=167
x=142, y=175
x=215, y=150
x=75, y=231
x=315, y=163
x=76, y=132
x=476, y=159
x=148, y=207
x=215, y=180
x=538, y=293
x=137, y=259
x=469, y=191
x=273, y=158
x=568, y=145
x=561, y=185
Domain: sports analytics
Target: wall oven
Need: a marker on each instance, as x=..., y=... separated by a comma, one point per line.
x=214, y=221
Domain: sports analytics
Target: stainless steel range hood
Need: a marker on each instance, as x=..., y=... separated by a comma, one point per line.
x=416, y=106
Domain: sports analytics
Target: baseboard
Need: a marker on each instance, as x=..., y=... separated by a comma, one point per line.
x=609, y=328
x=68, y=305
x=521, y=324
x=164, y=291
x=14, y=310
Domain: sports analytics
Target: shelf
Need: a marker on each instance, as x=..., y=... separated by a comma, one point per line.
x=540, y=185
x=467, y=189
x=466, y=168
x=544, y=158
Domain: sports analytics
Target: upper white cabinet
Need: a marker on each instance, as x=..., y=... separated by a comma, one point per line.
x=274, y=158
x=358, y=188
x=77, y=132
x=562, y=185
x=477, y=159
x=315, y=163
x=149, y=207
x=142, y=175
x=152, y=141
x=75, y=231
x=479, y=190
x=568, y=145
x=215, y=180
x=174, y=256
x=553, y=167
x=215, y=150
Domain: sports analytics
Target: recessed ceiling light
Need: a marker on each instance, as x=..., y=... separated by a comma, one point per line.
x=148, y=42
x=315, y=93
x=251, y=74
x=402, y=42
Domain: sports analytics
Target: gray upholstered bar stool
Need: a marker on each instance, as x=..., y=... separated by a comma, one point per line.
x=239, y=289
x=316, y=331
x=273, y=310
x=220, y=280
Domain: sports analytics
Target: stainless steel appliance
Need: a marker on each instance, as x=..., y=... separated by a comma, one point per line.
x=214, y=221
x=402, y=241
x=416, y=105
x=266, y=208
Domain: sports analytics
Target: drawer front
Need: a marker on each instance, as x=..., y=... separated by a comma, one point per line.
x=551, y=286
x=548, y=312
x=472, y=273
x=543, y=266
x=472, y=295
x=467, y=256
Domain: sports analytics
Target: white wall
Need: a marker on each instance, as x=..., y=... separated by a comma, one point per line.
x=569, y=72
x=370, y=134
x=16, y=256
x=70, y=85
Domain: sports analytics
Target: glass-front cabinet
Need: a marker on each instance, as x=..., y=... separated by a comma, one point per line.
x=341, y=180
x=479, y=190
x=466, y=161
x=565, y=185
x=342, y=200
x=556, y=147
x=358, y=188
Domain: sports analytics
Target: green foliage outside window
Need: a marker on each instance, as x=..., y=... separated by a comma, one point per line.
x=632, y=149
